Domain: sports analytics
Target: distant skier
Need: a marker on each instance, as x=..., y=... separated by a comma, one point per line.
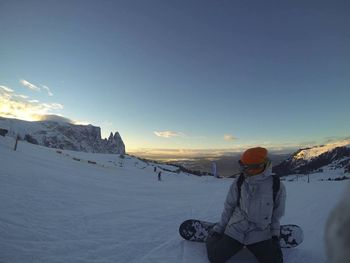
x=251, y=216
x=155, y=169
x=160, y=176
x=16, y=143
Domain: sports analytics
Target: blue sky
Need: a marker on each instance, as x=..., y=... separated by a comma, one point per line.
x=181, y=74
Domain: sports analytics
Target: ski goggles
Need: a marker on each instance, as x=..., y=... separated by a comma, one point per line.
x=252, y=168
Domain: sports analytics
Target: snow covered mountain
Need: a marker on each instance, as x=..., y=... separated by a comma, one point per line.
x=63, y=135
x=309, y=160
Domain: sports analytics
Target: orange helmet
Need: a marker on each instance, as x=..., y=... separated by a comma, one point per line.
x=254, y=160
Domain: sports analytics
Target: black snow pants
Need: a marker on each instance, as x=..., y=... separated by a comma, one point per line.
x=221, y=248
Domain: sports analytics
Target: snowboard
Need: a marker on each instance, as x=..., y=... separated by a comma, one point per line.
x=197, y=231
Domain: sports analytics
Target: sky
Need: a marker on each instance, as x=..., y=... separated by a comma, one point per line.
x=183, y=76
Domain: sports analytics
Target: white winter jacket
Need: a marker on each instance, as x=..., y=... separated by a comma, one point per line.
x=258, y=216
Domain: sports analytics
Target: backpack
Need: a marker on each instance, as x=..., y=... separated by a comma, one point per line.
x=275, y=187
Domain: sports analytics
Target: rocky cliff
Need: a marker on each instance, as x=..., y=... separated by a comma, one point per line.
x=64, y=135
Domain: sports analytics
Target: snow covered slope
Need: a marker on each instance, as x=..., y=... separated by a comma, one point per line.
x=62, y=206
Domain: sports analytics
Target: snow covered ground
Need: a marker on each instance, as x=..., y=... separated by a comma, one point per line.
x=54, y=208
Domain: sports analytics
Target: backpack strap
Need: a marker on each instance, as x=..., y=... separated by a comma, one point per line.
x=275, y=186
x=239, y=185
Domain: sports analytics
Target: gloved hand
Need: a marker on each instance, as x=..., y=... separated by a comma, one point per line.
x=275, y=238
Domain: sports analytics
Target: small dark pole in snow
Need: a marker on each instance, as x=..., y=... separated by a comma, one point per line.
x=17, y=138
x=121, y=158
x=308, y=177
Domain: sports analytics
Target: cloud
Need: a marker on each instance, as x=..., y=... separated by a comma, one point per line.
x=33, y=87
x=29, y=85
x=52, y=106
x=228, y=137
x=18, y=106
x=22, y=96
x=336, y=139
x=6, y=89
x=168, y=134
x=48, y=90
x=176, y=154
x=54, y=117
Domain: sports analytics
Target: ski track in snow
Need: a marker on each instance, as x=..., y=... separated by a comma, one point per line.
x=56, y=209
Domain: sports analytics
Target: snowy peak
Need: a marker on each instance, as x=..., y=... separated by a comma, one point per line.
x=314, y=152
x=115, y=142
x=304, y=161
x=86, y=138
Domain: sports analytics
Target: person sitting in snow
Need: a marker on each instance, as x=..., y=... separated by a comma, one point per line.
x=251, y=215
